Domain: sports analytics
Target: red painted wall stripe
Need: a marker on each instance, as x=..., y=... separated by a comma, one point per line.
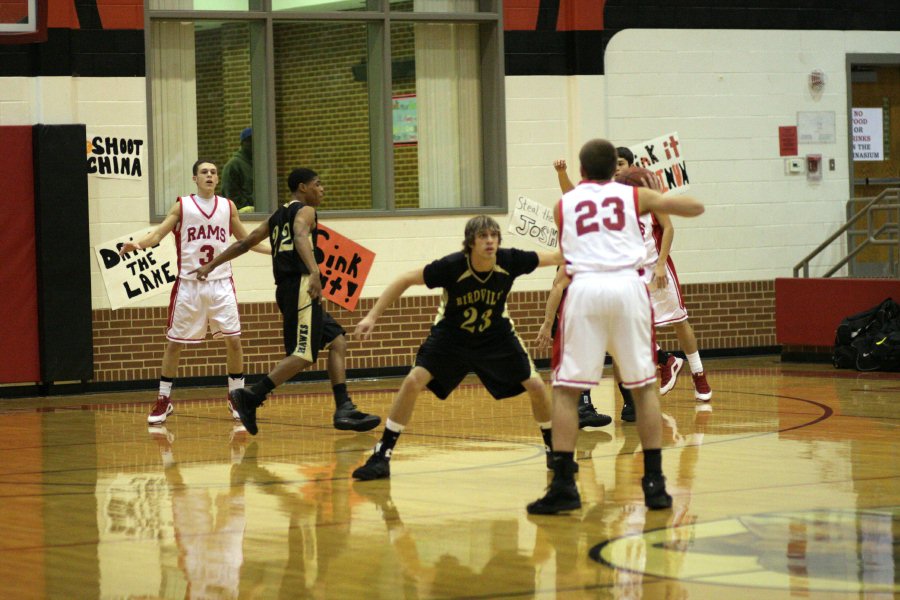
x=18, y=302
x=580, y=15
x=808, y=311
x=121, y=14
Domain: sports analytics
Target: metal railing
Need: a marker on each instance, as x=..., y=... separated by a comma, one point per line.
x=887, y=234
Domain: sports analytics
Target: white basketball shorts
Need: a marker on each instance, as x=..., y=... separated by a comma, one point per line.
x=668, y=305
x=196, y=305
x=605, y=312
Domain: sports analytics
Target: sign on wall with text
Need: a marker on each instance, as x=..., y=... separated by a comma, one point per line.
x=137, y=275
x=665, y=157
x=115, y=157
x=534, y=221
x=868, y=130
x=344, y=266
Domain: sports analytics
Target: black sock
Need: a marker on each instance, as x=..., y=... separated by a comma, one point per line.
x=385, y=447
x=262, y=387
x=563, y=465
x=626, y=394
x=547, y=434
x=585, y=397
x=653, y=462
x=662, y=357
x=340, y=394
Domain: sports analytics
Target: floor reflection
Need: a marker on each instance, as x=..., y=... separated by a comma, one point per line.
x=785, y=486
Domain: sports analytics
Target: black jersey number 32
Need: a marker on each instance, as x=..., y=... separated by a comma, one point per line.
x=473, y=322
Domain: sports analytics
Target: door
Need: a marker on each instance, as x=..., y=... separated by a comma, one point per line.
x=874, y=93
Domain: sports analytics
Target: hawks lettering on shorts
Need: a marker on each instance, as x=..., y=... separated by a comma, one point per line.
x=302, y=338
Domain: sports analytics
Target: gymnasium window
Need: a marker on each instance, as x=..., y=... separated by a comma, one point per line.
x=397, y=105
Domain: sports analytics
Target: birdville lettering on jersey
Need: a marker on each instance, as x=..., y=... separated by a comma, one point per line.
x=115, y=157
x=145, y=272
x=489, y=297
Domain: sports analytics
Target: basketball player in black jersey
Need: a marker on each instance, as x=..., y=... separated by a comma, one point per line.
x=472, y=333
x=308, y=328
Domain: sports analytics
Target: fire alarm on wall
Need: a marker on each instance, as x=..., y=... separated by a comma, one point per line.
x=793, y=165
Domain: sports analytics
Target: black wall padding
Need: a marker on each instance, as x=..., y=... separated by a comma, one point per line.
x=63, y=253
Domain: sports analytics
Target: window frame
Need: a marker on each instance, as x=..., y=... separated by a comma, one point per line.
x=492, y=93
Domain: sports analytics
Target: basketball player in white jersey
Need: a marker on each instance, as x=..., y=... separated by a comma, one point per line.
x=202, y=224
x=607, y=308
x=668, y=305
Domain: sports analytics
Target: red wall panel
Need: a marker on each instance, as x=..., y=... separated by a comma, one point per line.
x=808, y=311
x=18, y=280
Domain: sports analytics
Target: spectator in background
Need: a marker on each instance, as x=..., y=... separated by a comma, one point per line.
x=237, y=176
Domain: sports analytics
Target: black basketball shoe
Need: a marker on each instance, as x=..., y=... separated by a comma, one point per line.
x=589, y=417
x=377, y=467
x=244, y=403
x=561, y=496
x=348, y=418
x=655, y=495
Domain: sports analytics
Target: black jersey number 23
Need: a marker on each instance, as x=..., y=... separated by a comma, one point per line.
x=475, y=322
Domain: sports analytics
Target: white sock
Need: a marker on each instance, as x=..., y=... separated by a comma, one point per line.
x=165, y=388
x=694, y=361
x=235, y=384
x=395, y=427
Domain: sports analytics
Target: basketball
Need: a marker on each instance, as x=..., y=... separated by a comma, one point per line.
x=637, y=177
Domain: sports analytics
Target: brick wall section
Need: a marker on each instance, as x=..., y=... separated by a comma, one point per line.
x=128, y=344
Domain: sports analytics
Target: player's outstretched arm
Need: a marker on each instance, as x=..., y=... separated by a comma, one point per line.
x=153, y=238
x=240, y=232
x=389, y=296
x=565, y=184
x=560, y=283
x=681, y=206
x=234, y=250
x=547, y=259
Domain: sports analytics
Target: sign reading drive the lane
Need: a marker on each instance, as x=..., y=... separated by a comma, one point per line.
x=137, y=275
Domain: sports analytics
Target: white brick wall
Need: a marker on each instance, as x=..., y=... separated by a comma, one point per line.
x=725, y=92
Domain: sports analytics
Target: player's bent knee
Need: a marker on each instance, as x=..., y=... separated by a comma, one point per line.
x=338, y=344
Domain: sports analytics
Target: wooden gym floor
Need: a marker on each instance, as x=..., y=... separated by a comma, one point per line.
x=788, y=488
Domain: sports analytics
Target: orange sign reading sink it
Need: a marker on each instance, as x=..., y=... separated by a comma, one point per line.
x=343, y=265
